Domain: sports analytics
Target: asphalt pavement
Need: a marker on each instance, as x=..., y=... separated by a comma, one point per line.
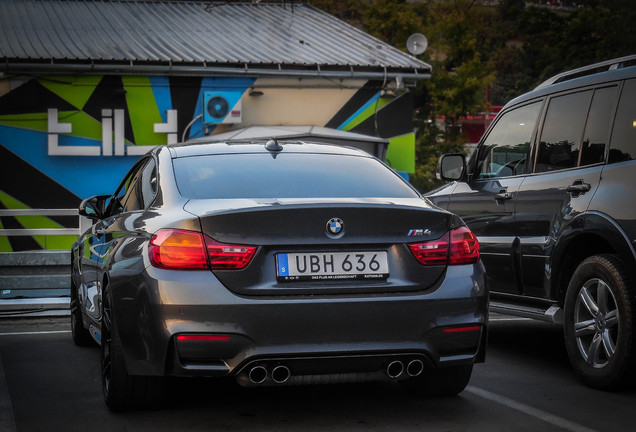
x=49, y=384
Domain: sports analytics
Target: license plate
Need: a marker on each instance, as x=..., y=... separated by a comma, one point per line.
x=332, y=266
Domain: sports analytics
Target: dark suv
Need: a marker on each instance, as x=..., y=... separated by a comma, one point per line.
x=550, y=192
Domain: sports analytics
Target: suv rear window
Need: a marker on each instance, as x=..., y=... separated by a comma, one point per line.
x=576, y=129
x=561, y=136
x=287, y=175
x=623, y=147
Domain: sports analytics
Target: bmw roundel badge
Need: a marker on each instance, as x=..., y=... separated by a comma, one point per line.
x=335, y=227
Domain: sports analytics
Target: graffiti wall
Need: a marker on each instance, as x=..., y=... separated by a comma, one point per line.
x=67, y=137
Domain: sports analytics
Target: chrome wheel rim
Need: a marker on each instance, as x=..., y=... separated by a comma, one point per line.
x=596, y=323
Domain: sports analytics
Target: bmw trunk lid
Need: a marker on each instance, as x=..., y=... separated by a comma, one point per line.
x=322, y=246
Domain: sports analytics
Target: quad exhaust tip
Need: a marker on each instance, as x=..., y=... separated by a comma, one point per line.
x=415, y=368
x=397, y=368
x=279, y=374
x=257, y=375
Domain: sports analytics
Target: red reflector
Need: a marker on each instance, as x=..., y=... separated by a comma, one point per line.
x=228, y=257
x=177, y=249
x=213, y=338
x=461, y=329
x=458, y=246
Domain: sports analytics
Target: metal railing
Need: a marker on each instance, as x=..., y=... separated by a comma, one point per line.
x=36, y=282
x=38, y=231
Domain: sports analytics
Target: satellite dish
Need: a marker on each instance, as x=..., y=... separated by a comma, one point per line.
x=417, y=43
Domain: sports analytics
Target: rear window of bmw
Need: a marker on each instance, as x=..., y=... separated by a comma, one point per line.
x=287, y=175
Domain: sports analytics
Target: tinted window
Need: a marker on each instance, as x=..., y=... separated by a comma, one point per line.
x=148, y=183
x=137, y=190
x=560, y=142
x=287, y=175
x=504, y=151
x=623, y=146
x=597, y=127
x=132, y=198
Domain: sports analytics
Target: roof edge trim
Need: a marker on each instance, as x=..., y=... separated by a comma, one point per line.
x=244, y=70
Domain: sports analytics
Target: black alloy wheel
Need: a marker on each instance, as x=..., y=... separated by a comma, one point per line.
x=121, y=390
x=599, y=325
x=81, y=336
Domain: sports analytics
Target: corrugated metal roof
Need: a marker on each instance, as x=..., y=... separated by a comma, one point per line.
x=224, y=37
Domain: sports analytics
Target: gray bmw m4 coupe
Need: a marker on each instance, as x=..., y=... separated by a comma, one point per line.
x=274, y=263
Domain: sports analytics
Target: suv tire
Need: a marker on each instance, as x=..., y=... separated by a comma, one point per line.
x=599, y=324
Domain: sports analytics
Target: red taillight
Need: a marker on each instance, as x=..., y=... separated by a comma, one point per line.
x=188, y=250
x=228, y=257
x=464, y=247
x=177, y=249
x=433, y=252
x=458, y=246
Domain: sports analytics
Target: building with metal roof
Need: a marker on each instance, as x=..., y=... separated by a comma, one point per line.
x=86, y=86
x=190, y=37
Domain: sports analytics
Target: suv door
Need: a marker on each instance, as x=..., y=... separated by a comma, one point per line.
x=486, y=201
x=568, y=162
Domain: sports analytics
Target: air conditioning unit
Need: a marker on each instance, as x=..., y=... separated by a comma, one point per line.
x=221, y=107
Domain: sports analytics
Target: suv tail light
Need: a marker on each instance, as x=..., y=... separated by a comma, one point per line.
x=189, y=250
x=458, y=246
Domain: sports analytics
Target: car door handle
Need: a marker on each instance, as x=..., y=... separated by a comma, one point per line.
x=503, y=195
x=578, y=187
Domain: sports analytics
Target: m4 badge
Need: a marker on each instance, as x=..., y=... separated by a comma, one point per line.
x=419, y=232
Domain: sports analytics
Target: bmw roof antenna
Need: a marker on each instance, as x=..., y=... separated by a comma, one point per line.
x=272, y=145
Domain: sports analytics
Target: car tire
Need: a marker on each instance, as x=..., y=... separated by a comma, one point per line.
x=439, y=382
x=121, y=390
x=599, y=326
x=81, y=336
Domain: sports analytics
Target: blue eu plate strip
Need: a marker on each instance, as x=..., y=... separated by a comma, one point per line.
x=283, y=268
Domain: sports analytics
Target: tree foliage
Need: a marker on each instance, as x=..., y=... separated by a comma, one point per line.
x=486, y=54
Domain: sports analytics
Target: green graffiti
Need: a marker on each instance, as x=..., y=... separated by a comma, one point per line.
x=143, y=113
x=5, y=245
x=33, y=121
x=401, y=153
x=370, y=111
x=75, y=89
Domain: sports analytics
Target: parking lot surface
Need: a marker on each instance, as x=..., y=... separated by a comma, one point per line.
x=526, y=384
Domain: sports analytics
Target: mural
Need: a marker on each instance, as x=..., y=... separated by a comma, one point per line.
x=66, y=137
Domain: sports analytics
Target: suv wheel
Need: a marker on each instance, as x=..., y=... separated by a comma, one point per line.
x=121, y=390
x=599, y=323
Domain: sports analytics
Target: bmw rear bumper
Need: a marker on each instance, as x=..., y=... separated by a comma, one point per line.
x=356, y=335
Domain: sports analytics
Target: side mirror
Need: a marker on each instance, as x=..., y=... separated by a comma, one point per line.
x=451, y=167
x=94, y=207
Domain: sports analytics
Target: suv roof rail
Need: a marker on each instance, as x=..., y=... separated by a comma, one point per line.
x=617, y=63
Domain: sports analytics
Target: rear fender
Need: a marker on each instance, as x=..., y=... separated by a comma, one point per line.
x=590, y=234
